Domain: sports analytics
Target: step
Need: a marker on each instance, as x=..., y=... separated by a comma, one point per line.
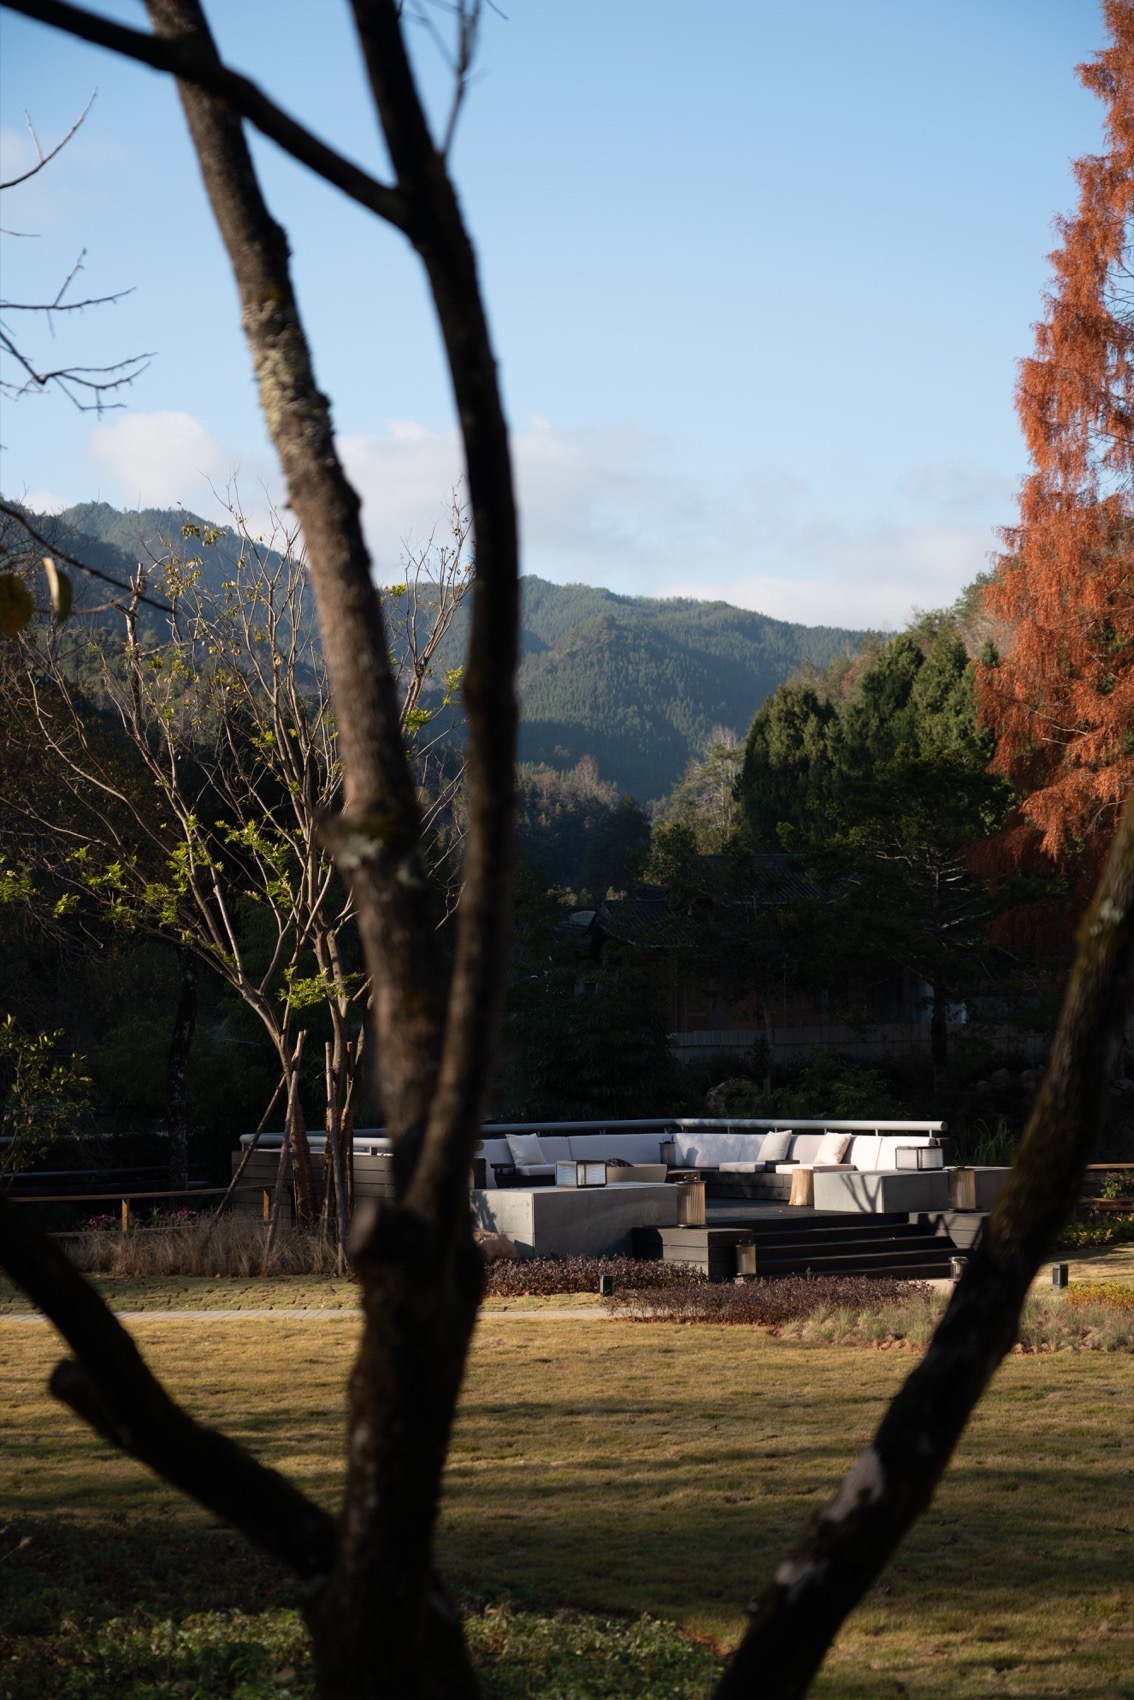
x=880, y=1263
x=864, y=1245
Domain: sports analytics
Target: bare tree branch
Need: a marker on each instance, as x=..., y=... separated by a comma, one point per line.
x=42, y=158
x=184, y=56
x=95, y=382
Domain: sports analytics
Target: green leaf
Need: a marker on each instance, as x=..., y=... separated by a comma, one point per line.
x=16, y=605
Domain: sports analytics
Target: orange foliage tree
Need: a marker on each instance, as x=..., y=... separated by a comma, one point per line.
x=1061, y=697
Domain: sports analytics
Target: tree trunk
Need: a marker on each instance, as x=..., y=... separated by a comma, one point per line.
x=334, y=1182
x=287, y=1156
x=177, y=1070
x=306, y=1191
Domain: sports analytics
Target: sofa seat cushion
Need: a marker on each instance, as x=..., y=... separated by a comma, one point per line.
x=817, y=1168
x=532, y=1169
x=741, y=1168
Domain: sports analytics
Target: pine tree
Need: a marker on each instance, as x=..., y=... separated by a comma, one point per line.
x=1061, y=699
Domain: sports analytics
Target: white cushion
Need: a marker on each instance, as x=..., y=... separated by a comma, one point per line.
x=740, y=1168
x=863, y=1152
x=804, y=1146
x=832, y=1149
x=776, y=1145
x=525, y=1148
x=710, y=1150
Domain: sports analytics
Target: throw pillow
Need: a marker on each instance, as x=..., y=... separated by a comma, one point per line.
x=525, y=1149
x=776, y=1146
x=832, y=1148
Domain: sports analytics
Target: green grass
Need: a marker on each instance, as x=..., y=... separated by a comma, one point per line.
x=606, y=1472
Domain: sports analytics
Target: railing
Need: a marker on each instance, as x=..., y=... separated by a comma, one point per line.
x=648, y=1124
x=125, y=1200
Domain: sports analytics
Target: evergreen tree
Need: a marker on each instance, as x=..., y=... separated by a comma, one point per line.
x=881, y=802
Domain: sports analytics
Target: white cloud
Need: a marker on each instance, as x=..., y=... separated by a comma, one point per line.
x=164, y=460
x=590, y=504
x=872, y=579
x=404, y=479
x=601, y=505
x=43, y=502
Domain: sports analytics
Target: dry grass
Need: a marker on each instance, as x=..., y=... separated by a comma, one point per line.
x=225, y=1245
x=630, y=1468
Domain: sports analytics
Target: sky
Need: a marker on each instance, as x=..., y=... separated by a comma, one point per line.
x=759, y=276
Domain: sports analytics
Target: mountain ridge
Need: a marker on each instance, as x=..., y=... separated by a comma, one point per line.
x=637, y=682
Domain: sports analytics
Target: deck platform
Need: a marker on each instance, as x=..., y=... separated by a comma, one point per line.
x=792, y=1240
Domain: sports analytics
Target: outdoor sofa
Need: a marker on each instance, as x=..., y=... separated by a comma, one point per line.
x=737, y=1159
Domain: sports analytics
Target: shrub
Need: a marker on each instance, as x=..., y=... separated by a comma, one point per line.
x=1112, y=1293
x=987, y=1147
x=856, y=1310
x=1094, y=1230
x=768, y=1304
x=544, y=1275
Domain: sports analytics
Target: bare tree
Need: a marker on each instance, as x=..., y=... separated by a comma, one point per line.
x=89, y=388
x=231, y=768
x=370, y=1577
x=382, y=1622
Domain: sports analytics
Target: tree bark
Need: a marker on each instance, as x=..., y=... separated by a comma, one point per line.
x=382, y=1623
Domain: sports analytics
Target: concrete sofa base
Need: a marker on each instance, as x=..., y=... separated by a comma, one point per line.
x=879, y=1191
x=565, y=1221
x=976, y=1189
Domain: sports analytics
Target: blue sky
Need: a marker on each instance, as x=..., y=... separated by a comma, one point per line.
x=759, y=276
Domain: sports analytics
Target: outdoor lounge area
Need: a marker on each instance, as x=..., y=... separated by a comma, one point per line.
x=813, y=1194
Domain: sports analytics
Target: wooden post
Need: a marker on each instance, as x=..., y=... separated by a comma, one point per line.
x=266, y=1195
x=125, y=1215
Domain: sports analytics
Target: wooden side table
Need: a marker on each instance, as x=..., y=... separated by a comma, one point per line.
x=803, y=1188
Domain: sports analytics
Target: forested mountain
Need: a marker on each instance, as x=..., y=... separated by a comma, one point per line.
x=634, y=682
x=640, y=684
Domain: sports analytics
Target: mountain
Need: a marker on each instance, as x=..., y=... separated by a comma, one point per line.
x=640, y=683
x=636, y=682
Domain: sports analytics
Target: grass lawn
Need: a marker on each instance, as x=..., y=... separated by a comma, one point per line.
x=614, y=1470
x=325, y=1292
